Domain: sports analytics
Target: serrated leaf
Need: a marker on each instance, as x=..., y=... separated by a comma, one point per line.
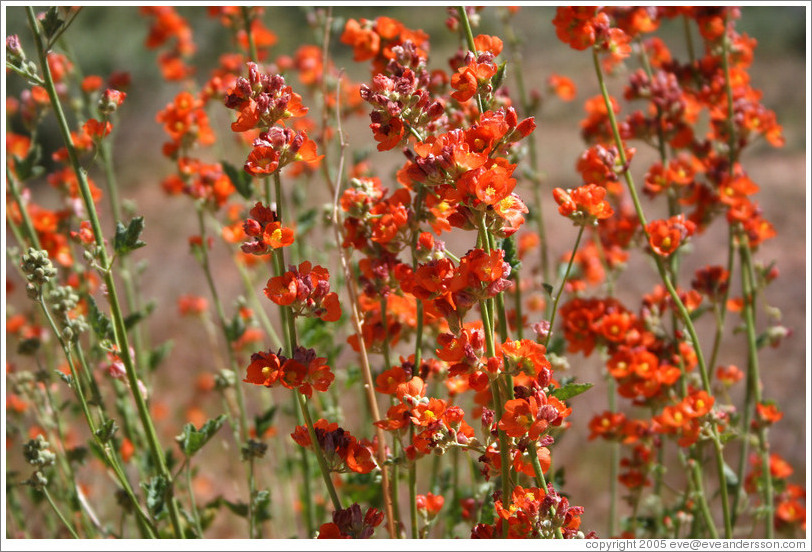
x=696, y=313
x=511, y=254
x=107, y=430
x=307, y=221
x=51, y=22
x=102, y=326
x=77, y=455
x=27, y=167
x=262, y=503
x=128, y=238
x=155, y=490
x=241, y=180
x=499, y=77
x=237, y=508
x=136, y=317
x=192, y=439
x=159, y=353
x=264, y=421
x=235, y=328
x=570, y=390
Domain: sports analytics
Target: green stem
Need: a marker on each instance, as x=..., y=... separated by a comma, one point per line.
x=58, y=512
x=754, y=379
x=28, y=226
x=115, y=308
x=614, y=463
x=190, y=489
x=684, y=314
x=104, y=447
x=469, y=37
x=540, y=479
x=325, y=470
x=535, y=173
x=413, y=488
x=252, y=47
x=563, y=285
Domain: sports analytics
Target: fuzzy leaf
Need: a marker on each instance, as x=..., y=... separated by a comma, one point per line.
x=159, y=353
x=155, y=490
x=102, y=326
x=51, y=22
x=107, y=430
x=242, y=180
x=499, y=77
x=192, y=440
x=129, y=239
x=136, y=317
x=511, y=254
x=570, y=390
x=264, y=421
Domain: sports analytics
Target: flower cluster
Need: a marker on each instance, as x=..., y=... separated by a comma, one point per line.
x=341, y=450
x=303, y=371
x=306, y=290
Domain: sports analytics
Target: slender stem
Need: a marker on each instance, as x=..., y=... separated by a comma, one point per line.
x=749, y=293
x=540, y=480
x=413, y=488
x=684, y=314
x=192, y=501
x=104, y=447
x=58, y=512
x=115, y=308
x=252, y=47
x=28, y=226
x=535, y=173
x=292, y=345
x=469, y=37
x=563, y=285
x=614, y=463
x=325, y=470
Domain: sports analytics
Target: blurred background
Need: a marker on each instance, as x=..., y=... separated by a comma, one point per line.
x=105, y=39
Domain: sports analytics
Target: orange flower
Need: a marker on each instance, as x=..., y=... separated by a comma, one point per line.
x=282, y=290
x=585, y=205
x=665, y=236
x=430, y=504
x=563, y=87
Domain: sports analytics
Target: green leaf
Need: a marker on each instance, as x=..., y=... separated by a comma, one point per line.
x=156, y=489
x=77, y=455
x=242, y=180
x=128, y=239
x=159, y=353
x=499, y=77
x=51, y=22
x=307, y=221
x=262, y=503
x=235, y=328
x=511, y=254
x=102, y=326
x=570, y=390
x=27, y=167
x=699, y=311
x=107, y=430
x=192, y=440
x=136, y=317
x=264, y=421
x=731, y=478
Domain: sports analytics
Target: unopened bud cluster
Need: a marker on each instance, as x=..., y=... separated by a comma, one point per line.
x=38, y=271
x=37, y=454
